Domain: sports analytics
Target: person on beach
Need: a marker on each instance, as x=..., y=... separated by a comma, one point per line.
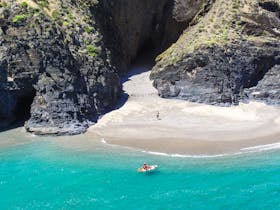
x=157, y=116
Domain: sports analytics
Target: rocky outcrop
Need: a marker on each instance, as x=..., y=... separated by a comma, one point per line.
x=268, y=88
x=58, y=65
x=230, y=55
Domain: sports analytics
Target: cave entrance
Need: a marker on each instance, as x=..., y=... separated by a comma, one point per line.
x=23, y=105
x=145, y=54
x=143, y=61
x=148, y=48
x=270, y=6
x=263, y=64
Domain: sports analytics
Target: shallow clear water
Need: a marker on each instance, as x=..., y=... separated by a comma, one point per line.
x=43, y=175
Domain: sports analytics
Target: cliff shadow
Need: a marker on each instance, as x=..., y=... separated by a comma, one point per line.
x=21, y=110
x=144, y=62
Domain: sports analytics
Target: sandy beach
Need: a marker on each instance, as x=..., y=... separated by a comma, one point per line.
x=146, y=121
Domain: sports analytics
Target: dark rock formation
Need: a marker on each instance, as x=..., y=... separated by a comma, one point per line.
x=231, y=55
x=218, y=75
x=268, y=88
x=41, y=59
x=130, y=26
x=60, y=61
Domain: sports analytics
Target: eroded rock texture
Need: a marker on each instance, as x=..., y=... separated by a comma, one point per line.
x=60, y=60
x=230, y=55
x=48, y=66
x=131, y=25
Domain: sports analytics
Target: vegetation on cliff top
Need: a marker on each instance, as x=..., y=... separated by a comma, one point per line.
x=222, y=25
x=56, y=69
x=75, y=18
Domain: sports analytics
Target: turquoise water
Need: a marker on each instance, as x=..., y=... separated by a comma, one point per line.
x=43, y=175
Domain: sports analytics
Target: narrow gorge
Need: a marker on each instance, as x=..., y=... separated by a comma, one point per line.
x=61, y=61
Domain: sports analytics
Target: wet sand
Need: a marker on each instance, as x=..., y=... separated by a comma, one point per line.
x=18, y=136
x=151, y=123
x=15, y=137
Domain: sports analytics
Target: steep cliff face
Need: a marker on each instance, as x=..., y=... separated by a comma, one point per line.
x=232, y=54
x=58, y=63
x=60, y=60
x=130, y=26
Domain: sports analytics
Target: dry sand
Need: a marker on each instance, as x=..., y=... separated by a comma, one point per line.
x=149, y=122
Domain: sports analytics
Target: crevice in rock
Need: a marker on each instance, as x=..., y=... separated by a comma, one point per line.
x=138, y=25
x=145, y=56
x=263, y=65
x=148, y=48
x=23, y=105
x=144, y=61
x=141, y=31
x=270, y=6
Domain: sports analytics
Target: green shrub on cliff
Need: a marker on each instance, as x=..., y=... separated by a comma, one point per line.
x=92, y=50
x=88, y=29
x=65, y=23
x=43, y=3
x=19, y=18
x=55, y=14
x=3, y=4
x=24, y=4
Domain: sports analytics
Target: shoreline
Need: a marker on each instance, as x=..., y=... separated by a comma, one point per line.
x=185, y=148
x=243, y=151
x=162, y=147
x=146, y=122
x=171, y=126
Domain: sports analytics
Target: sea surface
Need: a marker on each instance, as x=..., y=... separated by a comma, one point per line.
x=37, y=173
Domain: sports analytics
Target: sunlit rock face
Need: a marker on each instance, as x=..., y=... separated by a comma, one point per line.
x=230, y=54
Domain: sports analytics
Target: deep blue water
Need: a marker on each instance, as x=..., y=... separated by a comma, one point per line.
x=42, y=175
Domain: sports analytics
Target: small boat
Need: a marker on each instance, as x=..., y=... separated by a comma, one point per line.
x=149, y=169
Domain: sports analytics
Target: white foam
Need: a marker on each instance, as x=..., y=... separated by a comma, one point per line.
x=190, y=156
x=103, y=141
x=242, y=151
x=262, y=147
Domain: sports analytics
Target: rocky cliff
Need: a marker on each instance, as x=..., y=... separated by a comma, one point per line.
x=136, y=25
x=231, y=54
x=55, y=66
x=60, y=61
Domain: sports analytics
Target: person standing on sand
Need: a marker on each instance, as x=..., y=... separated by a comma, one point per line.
x=157, y=116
